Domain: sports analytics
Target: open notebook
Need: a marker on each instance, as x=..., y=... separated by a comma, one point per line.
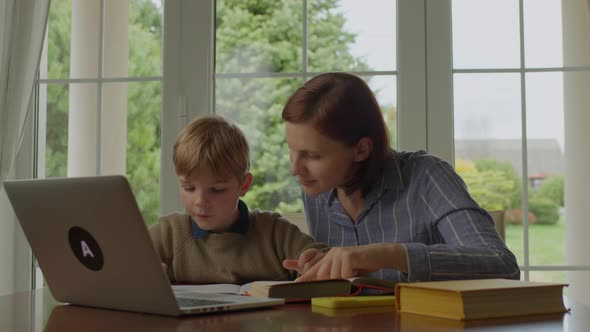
x=93, y=247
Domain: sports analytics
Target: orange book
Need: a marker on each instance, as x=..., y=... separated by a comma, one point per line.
x=481, y=298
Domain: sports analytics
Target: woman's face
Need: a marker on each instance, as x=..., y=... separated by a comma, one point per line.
x=319, y=163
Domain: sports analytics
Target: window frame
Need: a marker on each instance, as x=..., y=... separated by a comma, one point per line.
x=189, y=81
x=33, y=149
x=424, y=73
x=425, y=90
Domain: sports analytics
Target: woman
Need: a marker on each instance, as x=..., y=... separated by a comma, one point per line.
x=401, y=216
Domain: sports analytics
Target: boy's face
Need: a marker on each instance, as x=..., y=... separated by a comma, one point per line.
x=212, y=201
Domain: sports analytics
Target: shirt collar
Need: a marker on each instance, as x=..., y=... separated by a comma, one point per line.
x=241, y=226
x=392, y=175
x=391, y=179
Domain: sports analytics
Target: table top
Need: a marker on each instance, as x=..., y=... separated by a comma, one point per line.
x=38, y=311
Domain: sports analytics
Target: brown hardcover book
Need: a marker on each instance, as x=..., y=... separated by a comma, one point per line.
x=478, y=299
x=290, y=290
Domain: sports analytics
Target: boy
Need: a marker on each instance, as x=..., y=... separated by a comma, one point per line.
x=218, y=240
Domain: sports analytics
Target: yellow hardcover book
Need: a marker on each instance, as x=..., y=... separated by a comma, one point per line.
x=293, y=291
x=354, y=301
x=350, y=312
x=481, y=298
x=415, y=322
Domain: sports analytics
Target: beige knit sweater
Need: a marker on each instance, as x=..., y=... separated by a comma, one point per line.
x=230, y=257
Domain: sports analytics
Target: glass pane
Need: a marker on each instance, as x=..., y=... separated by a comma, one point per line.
x=548, y=276
x=132, y=43
x=139, y=103
x=39, y=280
x=352, y=35
x=256, y=104
x=57, y=47
x=514, y=232
x=258, y=37
x=487, y=106
x=385, y=89
x=545, y=151
x=143, y=146
x=56, y=148
x=485, y=34
x=68, y=110
x=543, y=33
x=488, y=145
x=132, y=38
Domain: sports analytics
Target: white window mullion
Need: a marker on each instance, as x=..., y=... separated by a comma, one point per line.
x=82, y=116
x=411, y=64
x=42, y=114
x=188, y=82
x=99, y=87
x=439, y=80
x=524, y=147
x=304, y=57
x=113, y=97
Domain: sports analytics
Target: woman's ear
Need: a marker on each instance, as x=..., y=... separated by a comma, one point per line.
x=246, y=184
x=363, y=148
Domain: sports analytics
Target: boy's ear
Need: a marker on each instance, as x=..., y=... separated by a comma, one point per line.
x=363, y=148
x=246, y=184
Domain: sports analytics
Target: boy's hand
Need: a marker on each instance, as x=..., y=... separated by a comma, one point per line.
x=306, y=261
x=165, y=268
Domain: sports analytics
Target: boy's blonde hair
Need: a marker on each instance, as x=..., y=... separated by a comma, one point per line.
x=215, y=142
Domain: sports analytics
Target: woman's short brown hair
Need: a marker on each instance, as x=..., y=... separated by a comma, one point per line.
x=343, y=107
x=215, y=142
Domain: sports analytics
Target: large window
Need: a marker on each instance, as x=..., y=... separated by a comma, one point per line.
x=100, y=94
x=481, y=83
x=509, y=114
x=265, y=50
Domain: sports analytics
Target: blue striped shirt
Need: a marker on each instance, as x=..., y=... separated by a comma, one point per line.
x=423, y=204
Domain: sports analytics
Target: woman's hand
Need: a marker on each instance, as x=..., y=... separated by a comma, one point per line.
x=348, y=262
x=306, y=261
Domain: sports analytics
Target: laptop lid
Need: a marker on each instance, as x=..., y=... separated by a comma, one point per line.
x=93, y=247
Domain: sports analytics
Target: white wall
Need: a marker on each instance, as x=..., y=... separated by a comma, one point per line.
x=576, y=40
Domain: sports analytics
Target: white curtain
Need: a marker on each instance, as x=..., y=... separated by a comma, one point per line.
x=22, y=28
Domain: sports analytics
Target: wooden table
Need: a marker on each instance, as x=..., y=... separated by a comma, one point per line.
x=37, y=311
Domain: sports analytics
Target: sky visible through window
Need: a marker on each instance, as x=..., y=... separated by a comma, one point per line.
x=493, y=44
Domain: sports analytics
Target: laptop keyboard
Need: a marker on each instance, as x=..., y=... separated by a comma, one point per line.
x=188, y=302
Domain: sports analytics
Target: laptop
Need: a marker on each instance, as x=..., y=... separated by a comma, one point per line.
x=94, y=249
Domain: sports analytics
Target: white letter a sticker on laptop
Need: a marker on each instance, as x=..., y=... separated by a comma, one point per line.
x=85, y=250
